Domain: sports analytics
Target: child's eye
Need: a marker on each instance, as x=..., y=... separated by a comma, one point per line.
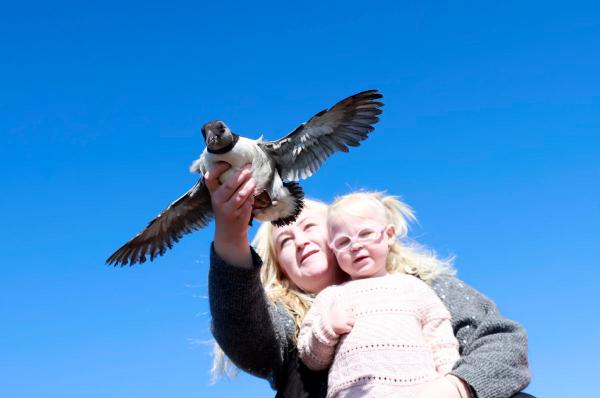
x=367, y=234
x=341, y=242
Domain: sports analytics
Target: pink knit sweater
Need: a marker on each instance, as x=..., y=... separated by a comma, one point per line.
x=402, y=338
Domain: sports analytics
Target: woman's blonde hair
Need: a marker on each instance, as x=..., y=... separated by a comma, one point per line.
x=278, y=287
x=405, y=256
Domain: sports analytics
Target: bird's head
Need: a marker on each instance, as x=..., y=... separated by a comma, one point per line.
x=217, y=135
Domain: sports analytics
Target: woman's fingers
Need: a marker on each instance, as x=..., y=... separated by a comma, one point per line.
x=245, y=194
x=231, y=190
x=244, y=211
x=211, y=178
x=226, y=191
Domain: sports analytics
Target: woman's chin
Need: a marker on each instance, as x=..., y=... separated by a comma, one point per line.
x=317, y=266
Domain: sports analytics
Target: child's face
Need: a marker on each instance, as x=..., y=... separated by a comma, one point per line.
x=361, y=241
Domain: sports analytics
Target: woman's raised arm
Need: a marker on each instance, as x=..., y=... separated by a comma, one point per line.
x=232, y=206
x=252, y=331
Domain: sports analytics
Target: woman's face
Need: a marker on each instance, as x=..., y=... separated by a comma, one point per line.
x=303, y=253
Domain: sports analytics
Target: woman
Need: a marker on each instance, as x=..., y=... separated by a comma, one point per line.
x=256, y=326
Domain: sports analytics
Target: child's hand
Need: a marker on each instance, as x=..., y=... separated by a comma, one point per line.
x=341, y=317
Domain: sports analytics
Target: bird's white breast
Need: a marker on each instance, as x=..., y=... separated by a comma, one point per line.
x=245, y=151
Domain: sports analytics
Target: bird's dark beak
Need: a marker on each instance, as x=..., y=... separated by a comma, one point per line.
x=212, y=138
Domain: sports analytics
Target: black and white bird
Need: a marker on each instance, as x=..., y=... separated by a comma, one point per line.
x=276, y=165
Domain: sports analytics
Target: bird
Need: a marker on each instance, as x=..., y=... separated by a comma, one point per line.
x=276, y=167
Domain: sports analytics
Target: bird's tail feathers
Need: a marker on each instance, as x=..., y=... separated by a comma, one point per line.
x=297, y=194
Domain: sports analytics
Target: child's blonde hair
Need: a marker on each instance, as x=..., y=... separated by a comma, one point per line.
x=405, y=256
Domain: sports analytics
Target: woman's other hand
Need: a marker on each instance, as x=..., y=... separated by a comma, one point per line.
x=446, y=387
x=232, y=204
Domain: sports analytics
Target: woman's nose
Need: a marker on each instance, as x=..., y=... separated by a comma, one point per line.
x=301, y=240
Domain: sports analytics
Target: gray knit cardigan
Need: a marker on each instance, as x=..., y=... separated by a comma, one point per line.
x=258, y=336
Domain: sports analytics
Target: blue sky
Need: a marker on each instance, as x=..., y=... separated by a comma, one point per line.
x=490, y=131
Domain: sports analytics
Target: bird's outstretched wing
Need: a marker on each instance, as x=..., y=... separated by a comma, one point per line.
x=190, y=212
x=303, y=151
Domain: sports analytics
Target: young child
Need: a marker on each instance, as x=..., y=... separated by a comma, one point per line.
x=385, y=332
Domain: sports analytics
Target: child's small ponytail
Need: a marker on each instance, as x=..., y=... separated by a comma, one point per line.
x=398, y=213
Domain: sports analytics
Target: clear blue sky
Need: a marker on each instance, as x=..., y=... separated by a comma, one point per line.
x=491, y=131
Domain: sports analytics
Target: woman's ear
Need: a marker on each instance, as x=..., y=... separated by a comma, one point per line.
x=390, y=233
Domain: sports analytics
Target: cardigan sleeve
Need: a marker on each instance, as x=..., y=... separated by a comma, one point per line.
x=253, y=332
x=437, y=328
x=493, y=349
x=317, y=340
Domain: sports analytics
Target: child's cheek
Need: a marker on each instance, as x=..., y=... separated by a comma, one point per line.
x=343, y=260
